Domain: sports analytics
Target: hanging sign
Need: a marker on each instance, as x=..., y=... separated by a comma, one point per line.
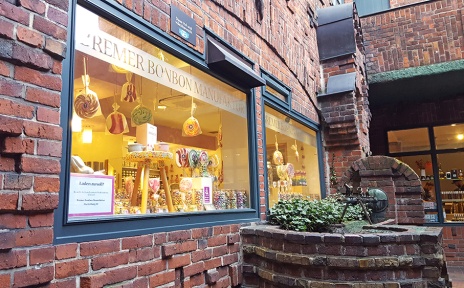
x=90, y=195
x=183, y=25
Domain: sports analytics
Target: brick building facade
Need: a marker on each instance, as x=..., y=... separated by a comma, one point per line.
x=34, y=43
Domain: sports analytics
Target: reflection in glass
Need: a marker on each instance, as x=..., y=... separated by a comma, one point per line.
x=408, y=140
x=449, y=136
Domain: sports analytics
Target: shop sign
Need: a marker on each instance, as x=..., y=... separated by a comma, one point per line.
x=91, y=195
x=183, y=25
x=112, y=50
x=291, y=131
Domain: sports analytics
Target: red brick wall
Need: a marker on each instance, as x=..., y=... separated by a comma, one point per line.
x=417, y=35
x=32, y=47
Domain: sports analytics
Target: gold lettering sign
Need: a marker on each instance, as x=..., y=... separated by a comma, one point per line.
x=115, y=51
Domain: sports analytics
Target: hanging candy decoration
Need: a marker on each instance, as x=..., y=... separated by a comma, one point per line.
x=128, y=93
x=154, y=184
x=182, y=160
x=141, y=114
x=191, y=126
x=295, y=148
x=203, y=163
x=194, y=158
x=277, y=156
x=116, y=122
x=86, y=104
x=219, y=135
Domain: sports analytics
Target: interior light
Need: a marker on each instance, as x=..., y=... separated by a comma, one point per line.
x=162, y=107
x=76, y=123
x=460, y=136
x=87, y=135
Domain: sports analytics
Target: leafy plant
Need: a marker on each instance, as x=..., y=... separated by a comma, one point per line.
x=312, y=215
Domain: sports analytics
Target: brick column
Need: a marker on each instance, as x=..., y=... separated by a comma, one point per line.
x=32, y=47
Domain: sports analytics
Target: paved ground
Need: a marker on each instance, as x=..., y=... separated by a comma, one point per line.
x=456, y=275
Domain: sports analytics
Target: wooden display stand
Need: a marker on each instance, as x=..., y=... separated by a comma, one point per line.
x=144, y=159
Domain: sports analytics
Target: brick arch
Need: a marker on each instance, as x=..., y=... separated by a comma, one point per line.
x=397, y=179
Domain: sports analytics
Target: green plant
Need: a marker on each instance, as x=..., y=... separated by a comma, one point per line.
x=312, y=215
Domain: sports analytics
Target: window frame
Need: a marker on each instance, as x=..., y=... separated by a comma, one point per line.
x=285, y=107
x=66, y=231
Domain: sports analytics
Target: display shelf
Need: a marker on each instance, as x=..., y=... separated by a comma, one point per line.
x=452, y=200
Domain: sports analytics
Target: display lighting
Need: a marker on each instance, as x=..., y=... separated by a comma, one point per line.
x=87, y=135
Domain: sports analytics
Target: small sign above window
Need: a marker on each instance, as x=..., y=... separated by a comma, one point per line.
x=183, y=25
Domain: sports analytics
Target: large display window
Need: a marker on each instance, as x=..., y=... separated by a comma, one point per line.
x=439, y=164
x=151, y=133
x=292, y=159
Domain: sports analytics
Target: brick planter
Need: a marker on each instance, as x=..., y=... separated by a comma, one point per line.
x=404, y=256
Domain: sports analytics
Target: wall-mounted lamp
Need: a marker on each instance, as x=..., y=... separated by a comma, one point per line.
x=460, y=136
x=87, y=135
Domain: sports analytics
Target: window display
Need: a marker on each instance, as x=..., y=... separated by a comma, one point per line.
x=292, y=159
x=151, y=133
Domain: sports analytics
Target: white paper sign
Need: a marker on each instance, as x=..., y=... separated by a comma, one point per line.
x=90, y=195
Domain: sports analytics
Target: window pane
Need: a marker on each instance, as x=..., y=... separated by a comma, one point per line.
x=276, y=93
x=408, y=140
x=449, y=137
x=452, y=185
x=292, y=159
x=366, y=7
x=136, y=93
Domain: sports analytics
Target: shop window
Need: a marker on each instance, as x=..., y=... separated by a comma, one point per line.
x=292, y=159
x=366, y=7
x=408, y=140
x=152, y=136
x=439, y=164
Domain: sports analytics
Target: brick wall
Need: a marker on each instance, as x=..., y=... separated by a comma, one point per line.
x=32, y=47
x=418, y=35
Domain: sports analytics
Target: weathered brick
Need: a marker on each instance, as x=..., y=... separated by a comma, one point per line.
x=57, y=16
x=38, y=78
x=14, y=13
x=10, y=88
x=67, y=283
x=65, y=251
x=162, y=278
x=14, y=108
x=49, y=148
x=41, y=255
x=6, y=29
x=194, y=268
x=181, y=235
x=17, y=182
x=48, y=27
x=34, y=6
x=99, y=247
x=110, y=260
x=41, y=130
x=42, y=96
x=7, y=239
x=46, y=184
x=168, y=250
x=178, y=261
x=76, y=267
x=5, y=279
x=15, y=145
x=40, y=165
x=137, y=242
x=34, y=237
x=35, y=275
x=30, y=37
x=63, y=5
x=32, y=57
x=55, y=48
x=5, y=68
x=9, y=201
x=150, y=268
x=41, y=220
x=13, y=258
x=12, y=221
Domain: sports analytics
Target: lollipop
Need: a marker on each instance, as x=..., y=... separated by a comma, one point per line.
x=128, y=93
x=154, y=184
x=141, y=115
x=191, y=126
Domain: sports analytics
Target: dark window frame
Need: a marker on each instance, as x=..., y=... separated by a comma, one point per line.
x=66, y=231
